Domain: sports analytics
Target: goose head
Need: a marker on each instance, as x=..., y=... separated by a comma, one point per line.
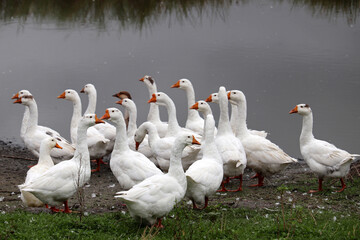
x=202, y=107
x=187, y=139
x=182, y=84
x=69, y=94
x=214, y=97
x=112, y=114
x=140, y=134
x=50, y=143
x=235, y=96
x=25, y=100
x=88, y=88
x=302, y=109
x=89, y=120
x=122, y=95
x=127, y=103
x=21, y=93
x=148, y=80
x=159, y=98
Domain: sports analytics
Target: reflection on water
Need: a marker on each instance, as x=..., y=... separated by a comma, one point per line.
x=141, y=14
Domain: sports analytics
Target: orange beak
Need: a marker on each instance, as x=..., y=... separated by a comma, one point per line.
x=58, y=146
x=18, y=100
x=97, y=120
x=142, y=79
x=62, y=95
x=194, y=141
x=153, y=99
x=82, y=90
x=294, y=110
x=176, y=85
x=209, y=99
x=106, y=115
x=229, y=93
x=137, y=144
x=195, y=106
x=16, y=96
x=119, y=102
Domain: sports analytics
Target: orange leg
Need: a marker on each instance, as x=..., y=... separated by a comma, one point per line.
x=158, y=224
x=54, y=209
x=98, y=162
x=66, y=207
x=320, y=187
x=223, y=189
x=343, y=185
x=260, y=180
x=240, y=185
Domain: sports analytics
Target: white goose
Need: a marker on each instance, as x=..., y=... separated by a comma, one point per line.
x=205, y=175
x=124, y=95
x=264, y=157
x=193, y=152
x=156, y=196
x=154, y=114
x=60, y=182
x=24, y=123
x=35, y=134
x=131, y=129
x=44, y=163
x=129, y=167
x=96, y=141
x=194, y=122
x=106, y=129
x=234, y=115
x=229, y=146
x=322, y=157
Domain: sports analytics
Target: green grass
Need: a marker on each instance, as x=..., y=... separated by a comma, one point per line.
x=216, y=222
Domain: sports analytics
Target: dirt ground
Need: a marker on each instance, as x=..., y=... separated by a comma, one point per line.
x=99, y=193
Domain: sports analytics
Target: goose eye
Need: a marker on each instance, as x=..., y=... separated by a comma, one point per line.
x=188, y=136
x=234, y=92
x=21, y=93
x=113, y=111
x=183, y=81
x=68, y=92
x=90, y=116
x=201, y=103
x=158, y=94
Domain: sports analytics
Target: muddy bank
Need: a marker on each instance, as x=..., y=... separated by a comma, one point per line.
x=99, y=194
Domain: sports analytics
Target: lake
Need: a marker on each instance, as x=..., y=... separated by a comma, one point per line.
x=279, y=53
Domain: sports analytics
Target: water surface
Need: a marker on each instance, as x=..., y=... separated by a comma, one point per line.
x=279, y=53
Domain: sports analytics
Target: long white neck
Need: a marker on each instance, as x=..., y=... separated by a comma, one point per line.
x=33, y=117
x=205, y=113
x=209, y=147
x=75, y=118
x=224, y=124
x=153, y=135
x=192, y=113
x=24, y=123
x=154, y=114
x=132, y=121
x=82, y=147
x=307, y=128
x=173, y=125
x=241, y=127
x=233, y=120
x=91, y=108
x=121, y=142
x=176, y=169
x=44, y=156
x=82, y=156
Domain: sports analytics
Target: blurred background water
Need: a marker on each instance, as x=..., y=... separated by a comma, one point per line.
x=278, y=52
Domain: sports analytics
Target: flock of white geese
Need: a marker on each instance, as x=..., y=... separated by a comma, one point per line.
x=159, y=163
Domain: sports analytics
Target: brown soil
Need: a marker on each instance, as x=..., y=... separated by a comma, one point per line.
x=99, y=194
